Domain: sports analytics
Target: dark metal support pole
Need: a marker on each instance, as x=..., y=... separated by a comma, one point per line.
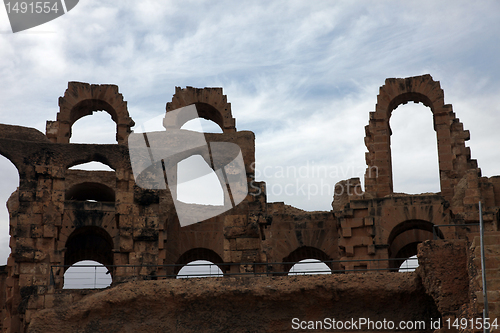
x=483, y=267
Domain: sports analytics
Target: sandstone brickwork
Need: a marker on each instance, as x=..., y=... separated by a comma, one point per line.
x=60, y=216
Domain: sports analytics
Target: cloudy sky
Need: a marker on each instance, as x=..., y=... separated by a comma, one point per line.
x=302, y=75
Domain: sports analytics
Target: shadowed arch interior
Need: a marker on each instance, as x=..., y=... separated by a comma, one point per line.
x=89, y=243
x=410, y=97
x=203, y=110
x=8, y=154
x=405, y=237
x=305, y=252
x=90, y=158
x=89, y=106
x=90, y=191
x=208, y=112
x=200, y=254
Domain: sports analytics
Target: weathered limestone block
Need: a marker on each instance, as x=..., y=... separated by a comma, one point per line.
x=444, y=272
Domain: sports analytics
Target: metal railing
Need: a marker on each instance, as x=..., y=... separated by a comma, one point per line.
x=87, y=277
x=92, y=278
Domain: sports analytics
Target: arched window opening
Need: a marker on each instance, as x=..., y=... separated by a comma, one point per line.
x=197, y=183
x=200, y=268
x=309, y=267
x=89, y=243
x=207, y=111
x=310, y=256
x=200, y=261
x=409, y=265
x=87, y=274
x=10, y=181
x=202, y=125
x=90, y=192
x=92, y=166
x=414, y=153
x=99, y=128
x=403, y=241
x=405, y=259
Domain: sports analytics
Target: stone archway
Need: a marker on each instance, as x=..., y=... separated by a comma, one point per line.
x=82, y=99
x=306, y=252
x=405, y=237
x=211, y=104
x=90, y=191
x=89, y=243
x=200, y=254
x=454, y=157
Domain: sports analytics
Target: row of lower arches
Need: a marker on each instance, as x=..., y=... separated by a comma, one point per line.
x=94, y=243
x=89, y=274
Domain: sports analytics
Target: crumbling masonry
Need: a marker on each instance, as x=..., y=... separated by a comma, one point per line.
x=60, y=216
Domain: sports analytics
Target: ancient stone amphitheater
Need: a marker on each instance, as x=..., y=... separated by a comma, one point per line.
x=60, y=216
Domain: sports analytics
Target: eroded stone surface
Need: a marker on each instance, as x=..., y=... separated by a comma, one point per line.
x=59, y=216
x=239, y=304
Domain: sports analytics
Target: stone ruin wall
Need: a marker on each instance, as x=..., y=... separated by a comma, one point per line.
x=52, y=223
